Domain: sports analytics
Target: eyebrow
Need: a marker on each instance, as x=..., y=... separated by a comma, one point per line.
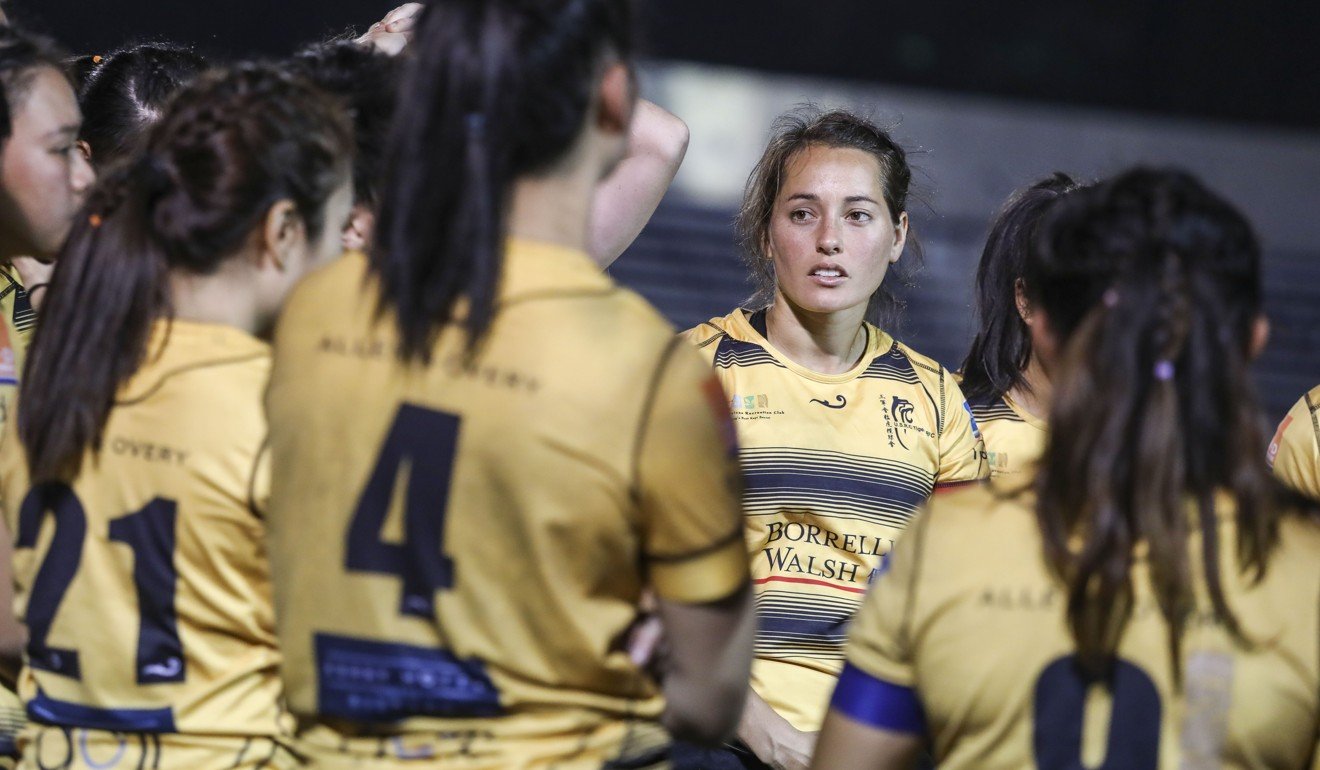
x=850, y=199
x=72, y=128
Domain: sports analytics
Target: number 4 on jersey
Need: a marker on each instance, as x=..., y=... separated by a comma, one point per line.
x=420, y=447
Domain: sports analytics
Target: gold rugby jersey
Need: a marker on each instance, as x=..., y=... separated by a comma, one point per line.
x=144, y=583
x=965, y=639
x=834, y=466
x=17, y=320
x=1014, y=438
x=459, y=547
x=1294, y=453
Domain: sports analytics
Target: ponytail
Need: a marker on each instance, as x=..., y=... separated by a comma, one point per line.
x=1155, y=284
x=496, y=90
x=110, y=285
x=228, y=148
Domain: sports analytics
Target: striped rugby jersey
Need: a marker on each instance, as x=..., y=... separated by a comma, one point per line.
x=1294, y=453
x=1014, y=438
x=835, y=466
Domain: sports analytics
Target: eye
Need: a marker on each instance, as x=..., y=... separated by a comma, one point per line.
x=859, y=216
x=799, y=215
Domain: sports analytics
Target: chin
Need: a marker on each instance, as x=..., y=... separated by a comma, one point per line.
x=823, y=303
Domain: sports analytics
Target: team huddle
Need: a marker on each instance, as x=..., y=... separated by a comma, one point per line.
x=328, y=442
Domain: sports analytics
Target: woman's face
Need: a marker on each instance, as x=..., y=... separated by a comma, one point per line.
x=831, y=236
x=44, y=176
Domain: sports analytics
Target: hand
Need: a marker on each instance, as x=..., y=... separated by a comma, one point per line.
x=392, y=34
x=773, y=739
x=791, y=748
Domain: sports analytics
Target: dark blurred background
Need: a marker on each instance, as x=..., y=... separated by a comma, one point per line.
x=988, y=96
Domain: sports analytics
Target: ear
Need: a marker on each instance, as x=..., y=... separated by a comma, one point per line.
x=1260, y=336
x=282, y=233
x=1025, y=311
x=616, y=99
x=86, y=150
x=358, y=231
x=900, y=238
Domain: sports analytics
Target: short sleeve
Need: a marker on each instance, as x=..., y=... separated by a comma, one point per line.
x=962, y=450
x=688, y=484
x=1295, y=451
x=705, y=339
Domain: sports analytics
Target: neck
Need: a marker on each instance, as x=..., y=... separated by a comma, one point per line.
x=223, y=298
x=554, y=207
x=1036, y=392
x=829, y=343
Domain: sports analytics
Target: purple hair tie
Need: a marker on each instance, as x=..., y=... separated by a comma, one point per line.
x=1164, y=370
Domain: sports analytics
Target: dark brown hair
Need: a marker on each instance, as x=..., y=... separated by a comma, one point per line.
x=21, y=54
x=1002, y=347
x=495, y=90
x=794, y=133
x=126, y=93
x=228, y=147
x=1155, y=283
x=367, y=81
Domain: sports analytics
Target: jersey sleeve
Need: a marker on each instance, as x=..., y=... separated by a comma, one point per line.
x=878, y=684
x=705, y=339
x=688, y=484
x=1295, y=451
x=962, y=450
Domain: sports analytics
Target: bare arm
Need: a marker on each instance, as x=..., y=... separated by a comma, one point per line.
x=773, y=739
x=848, y=745
x=708, y=663
x=626, y=199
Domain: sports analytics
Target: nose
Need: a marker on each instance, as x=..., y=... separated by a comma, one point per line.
x=827, y=240
x=81, y=175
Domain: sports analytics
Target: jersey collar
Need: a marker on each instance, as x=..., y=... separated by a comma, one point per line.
x=877, y=343
x=176, y=346
x=534, y=268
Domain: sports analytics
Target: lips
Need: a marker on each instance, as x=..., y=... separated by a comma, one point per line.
x=828, y=274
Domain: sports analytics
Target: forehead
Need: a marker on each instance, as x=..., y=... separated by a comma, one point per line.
x=822, y=170
x=45, y=97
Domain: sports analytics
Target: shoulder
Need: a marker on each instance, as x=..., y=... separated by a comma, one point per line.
x=1307, y=411
x=721, y=332
x=344, y=277
x=706, y=334
x=924, y=366
x=979, y=526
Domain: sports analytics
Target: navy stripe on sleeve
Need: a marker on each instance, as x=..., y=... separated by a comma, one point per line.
x=877, y=703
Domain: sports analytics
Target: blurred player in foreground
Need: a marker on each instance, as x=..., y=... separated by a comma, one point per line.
x=485, y=452
x=1152, y=603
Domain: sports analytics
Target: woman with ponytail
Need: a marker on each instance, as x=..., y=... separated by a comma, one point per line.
x=1154, y=601
x=485, y=454
x=135, y=498
x=1002, y=377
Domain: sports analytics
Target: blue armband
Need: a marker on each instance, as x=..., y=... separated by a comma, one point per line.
x=877, y=703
